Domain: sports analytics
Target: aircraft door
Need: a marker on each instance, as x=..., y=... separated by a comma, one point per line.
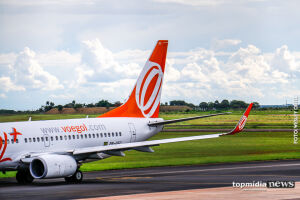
x=132, y=132
x=46, y=140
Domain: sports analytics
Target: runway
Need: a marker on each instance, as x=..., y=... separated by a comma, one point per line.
x=156, y=179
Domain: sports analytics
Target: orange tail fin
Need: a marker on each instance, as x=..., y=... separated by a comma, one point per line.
x=144, y=101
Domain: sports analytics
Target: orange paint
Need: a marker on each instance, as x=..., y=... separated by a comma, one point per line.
x=134, y=107
x=4, y=148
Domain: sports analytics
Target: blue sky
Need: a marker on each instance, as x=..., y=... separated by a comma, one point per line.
x=61, y=50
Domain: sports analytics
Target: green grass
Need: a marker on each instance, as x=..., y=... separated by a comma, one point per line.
x=238, y=148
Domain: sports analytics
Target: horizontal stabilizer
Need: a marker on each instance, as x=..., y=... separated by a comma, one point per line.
x=184, y=119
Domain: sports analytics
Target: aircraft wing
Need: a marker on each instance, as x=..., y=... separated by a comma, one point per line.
x=122, y=147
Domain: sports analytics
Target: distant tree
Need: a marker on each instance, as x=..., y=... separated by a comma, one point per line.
x=210, y=105
x=177, y=103
x=103, y=103
x=90, y=105
x=236, y=104
x=203, y=105
x=224, y=104
x=59, y=108
x=256, y=105
x=117, y=103
x=216, y=104
x=78, y=105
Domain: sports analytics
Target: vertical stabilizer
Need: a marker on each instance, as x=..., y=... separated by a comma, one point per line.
x=144, y=100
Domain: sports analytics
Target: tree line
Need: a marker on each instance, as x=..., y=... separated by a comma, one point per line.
x=102, y=103
x=203, y=106
x=216, y=105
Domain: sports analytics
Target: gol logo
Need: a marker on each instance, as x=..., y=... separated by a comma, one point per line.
x=3, y=143
x=148, y=88
x=242, y=122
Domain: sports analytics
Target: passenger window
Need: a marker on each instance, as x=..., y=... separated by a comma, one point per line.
x=12, y=141
x=120, y=134
x=77, y=136
x=108, y=134
x=101, y=134
x=73, y=137
x=7, y=141
x=25, y=139
x=38, y=139
x=46, y=138
x=66, y=137
x=93, y=135
x=81, y=136
x=89, y=135
x=69, y=137
x=56, y=137
x=51, y=138
x=42, y=139
x=29, y=139
x=85, y=136
x=61, y=137
x=104, y=134
x=33, y=139
x=112, y=134
x=17, y=140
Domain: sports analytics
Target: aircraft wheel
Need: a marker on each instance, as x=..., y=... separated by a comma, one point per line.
x=24, y=177
x=75, y=178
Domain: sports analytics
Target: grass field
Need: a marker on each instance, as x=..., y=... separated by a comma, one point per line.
x=242, y=147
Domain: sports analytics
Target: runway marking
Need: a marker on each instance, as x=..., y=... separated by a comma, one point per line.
x=123, y=178
x=204, y=170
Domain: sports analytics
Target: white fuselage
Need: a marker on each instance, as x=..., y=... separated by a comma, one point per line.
x=66, y=135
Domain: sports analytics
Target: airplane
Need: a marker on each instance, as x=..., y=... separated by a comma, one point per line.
x=57, y=148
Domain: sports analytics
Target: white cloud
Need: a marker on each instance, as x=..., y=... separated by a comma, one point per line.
x=29, y=74
x=2, y=95
x=220, y=44
x=195, y=75
x=7, y=85
x=102, y=66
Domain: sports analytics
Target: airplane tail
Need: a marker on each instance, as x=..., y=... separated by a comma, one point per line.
x=144, y=100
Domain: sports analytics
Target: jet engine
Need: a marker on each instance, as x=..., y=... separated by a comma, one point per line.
x=52, y=166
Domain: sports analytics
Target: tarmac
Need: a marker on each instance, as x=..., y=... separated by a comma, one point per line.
x=178, y=182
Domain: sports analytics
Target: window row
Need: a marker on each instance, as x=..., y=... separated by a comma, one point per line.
x=10, y=141
x=70, y=137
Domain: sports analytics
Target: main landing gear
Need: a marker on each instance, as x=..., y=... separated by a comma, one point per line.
x=24, y=177
x=75, y=178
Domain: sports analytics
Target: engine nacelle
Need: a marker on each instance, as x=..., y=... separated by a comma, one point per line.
x=52, y=166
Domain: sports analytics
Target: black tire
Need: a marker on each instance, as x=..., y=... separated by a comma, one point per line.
x=24, y=177
x=75, y=178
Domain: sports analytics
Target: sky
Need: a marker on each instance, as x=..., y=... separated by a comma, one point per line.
x=63, y=50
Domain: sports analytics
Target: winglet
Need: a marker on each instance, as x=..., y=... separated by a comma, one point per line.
x=241, y=124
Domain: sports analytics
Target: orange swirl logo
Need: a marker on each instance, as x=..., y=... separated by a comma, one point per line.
x=148, y=88
x=3, y=145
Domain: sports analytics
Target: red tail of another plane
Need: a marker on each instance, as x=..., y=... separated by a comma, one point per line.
x=144, y=100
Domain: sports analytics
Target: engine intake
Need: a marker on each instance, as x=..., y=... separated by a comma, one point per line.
x=52, y=166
